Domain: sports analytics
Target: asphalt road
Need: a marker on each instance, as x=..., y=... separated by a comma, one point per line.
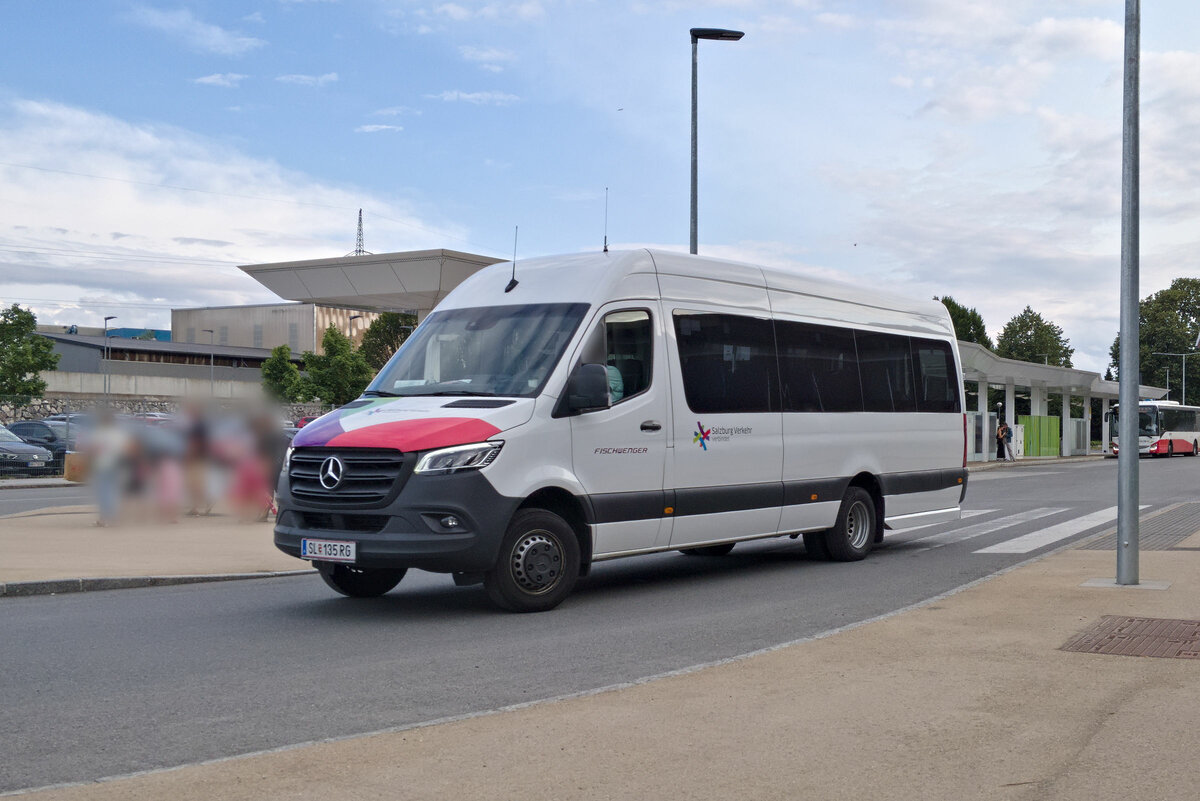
x=108, y=683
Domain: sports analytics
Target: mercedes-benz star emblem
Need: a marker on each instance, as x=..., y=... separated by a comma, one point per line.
x=331, y=473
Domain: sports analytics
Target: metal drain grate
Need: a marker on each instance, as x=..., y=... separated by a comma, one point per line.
x=1139, y=636
x=1162, y=532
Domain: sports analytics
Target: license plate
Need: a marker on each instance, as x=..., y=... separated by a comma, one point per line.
x=35, y=464
x=328, y=550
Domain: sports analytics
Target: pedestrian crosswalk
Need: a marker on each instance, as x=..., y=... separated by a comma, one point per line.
x=1019, y=544
x=986, y=527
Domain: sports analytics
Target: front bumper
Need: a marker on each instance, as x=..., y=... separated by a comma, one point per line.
x=407, y=530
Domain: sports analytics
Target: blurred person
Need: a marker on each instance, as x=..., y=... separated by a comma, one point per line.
x=109, y=450
x=197, y=453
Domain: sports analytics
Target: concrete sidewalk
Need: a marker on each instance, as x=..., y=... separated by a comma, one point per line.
x=967, y=697
x=62, y=550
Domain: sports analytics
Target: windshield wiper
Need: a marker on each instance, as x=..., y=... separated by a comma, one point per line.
x=475, y=393
x=379, y=393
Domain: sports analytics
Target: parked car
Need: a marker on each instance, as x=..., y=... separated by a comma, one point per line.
x=72, y=432
x=303, y=421
x=18, y=456
x=36, y=432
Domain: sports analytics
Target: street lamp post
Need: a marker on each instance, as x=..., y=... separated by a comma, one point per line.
x=1183, y=380
x=104, y=356
x=212, y=383
x=719, y=34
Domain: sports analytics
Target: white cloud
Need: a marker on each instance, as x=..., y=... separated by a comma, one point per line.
x=837, y=20
x=477, y=98
x=230, y=80
x=396, y=111
x=257, y=17
x=199, y=35
x=147, y=217
x=309, y=80
x=377, y=128
x=456, y=12
x=491, y=59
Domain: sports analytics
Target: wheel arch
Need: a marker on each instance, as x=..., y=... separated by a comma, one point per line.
x=570, y=508
x=870, y=483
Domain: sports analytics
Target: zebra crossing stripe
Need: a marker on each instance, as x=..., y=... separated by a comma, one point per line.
x=1048, y=536
x=979, y=529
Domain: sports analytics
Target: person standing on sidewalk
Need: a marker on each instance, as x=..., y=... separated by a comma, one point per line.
x=1008, y=449
x=1001, y=432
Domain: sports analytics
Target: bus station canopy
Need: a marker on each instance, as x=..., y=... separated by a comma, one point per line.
x=980, y=364
x=408, y=281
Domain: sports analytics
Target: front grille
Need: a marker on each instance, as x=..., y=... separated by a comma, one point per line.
x=370, y=476
x=333, y=521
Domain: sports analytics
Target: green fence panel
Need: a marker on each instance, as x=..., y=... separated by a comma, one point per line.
x=1042, y=436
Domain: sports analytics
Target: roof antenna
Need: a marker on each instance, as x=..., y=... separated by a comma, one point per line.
x=512, y=284
x=606, y=219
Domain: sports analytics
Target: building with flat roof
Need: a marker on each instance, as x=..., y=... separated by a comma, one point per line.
x=300, y=326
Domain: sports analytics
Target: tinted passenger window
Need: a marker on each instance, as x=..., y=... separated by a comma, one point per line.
x=629, y=352
x=728, y=363
x=937, y=381
x=819, y=368
x=885, y=365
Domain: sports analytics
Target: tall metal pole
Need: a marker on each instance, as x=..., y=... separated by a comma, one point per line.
x=695, y=202
x=1127, y=464
x=721, y=35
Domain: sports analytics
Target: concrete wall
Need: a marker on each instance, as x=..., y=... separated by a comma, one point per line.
x=247, y=384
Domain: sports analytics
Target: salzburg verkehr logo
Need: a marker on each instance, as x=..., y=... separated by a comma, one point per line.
x=701, y=435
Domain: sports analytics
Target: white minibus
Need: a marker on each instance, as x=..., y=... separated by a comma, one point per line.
x=580, y=408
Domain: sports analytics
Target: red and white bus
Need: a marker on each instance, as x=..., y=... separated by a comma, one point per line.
x=1165, y=428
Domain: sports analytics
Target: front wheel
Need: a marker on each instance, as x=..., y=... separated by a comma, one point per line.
x=850, y=538
x=359, y=582
x=538, y=563
x=1195, y=448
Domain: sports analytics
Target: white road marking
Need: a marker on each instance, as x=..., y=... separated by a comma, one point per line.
x=1049, y=536
x=966, y=515
x=979, y=529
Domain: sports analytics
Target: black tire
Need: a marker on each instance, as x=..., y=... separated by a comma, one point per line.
x=359, y=582
x=852, y=535
x=538, y=563
x=1170, y=447
x=815, y=545
x=1195, y=448
x=709, y=550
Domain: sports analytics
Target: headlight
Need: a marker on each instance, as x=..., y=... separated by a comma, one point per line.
x=8, y=456
x=461, y=457
x=287, y=458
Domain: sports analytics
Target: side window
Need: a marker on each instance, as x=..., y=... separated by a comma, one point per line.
x=885, y=365
x=819, y=368
x=937, y=381
x=628, y=352
x=728, y=363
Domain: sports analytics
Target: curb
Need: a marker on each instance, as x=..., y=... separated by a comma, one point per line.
x=58, y=586
x=37, y=483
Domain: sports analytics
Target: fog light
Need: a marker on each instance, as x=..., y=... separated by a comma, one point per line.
x=450, y=521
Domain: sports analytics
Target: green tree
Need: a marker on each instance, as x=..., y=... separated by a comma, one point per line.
x=1032, y=338
x=23, y=354
x=340, y=374
x=281, y=377
x=1168, y=322
x=384, y=337
x=968, y=323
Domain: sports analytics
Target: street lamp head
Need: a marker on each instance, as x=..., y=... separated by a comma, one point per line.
x=716, y=33
x=110, y=317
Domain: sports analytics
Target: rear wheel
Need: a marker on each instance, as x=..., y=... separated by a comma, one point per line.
x=359, y=582
x=538, y=563
x=851, y=536
x=1195, y=447
x=709, y=550
x=1170, y=447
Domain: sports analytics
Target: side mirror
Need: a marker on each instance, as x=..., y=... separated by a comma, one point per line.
x=587, y=389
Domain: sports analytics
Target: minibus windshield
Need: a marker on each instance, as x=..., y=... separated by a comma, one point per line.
x=493, y=350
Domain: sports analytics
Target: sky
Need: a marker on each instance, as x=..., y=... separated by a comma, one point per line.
x=932, y=147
